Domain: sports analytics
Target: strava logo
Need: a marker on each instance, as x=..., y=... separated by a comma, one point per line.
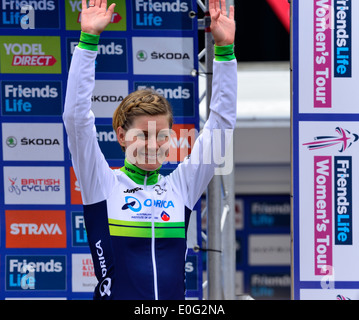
x=35, y=229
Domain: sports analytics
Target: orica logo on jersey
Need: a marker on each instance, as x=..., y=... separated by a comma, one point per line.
x=135, y=205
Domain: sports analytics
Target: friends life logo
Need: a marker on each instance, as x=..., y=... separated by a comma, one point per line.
x=35, y=272
x=162, y=15
x=40, y=14
x=343, y=140
x=111, y=54
x=79, y=234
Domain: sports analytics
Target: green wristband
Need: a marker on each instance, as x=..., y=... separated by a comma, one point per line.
x=89, y=41
x=224, y=53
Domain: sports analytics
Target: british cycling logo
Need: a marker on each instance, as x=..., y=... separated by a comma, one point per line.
x=34, y=185
x=344, y=140
x=341, y=297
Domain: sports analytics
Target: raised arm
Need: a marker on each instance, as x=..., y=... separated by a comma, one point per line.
x=95, y=177
x=194, y=173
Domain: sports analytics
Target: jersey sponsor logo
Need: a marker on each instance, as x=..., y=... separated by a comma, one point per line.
x=165, y=216
x=35, y=229
x=105, y=285
x=133, y=190
x=135, y=205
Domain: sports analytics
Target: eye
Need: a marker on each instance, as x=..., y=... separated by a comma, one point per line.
x=141, y=136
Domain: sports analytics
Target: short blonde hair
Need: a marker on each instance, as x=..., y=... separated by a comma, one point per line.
x=138, y=103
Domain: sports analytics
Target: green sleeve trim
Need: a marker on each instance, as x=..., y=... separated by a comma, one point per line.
x=224, y=53
x=89, y=41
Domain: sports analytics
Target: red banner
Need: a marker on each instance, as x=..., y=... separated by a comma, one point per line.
x=282, y=9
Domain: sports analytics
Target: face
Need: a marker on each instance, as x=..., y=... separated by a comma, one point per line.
x=147, y=141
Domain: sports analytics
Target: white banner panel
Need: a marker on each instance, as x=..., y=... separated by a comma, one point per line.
x=325, y=149
x=34, y=185
x=169, y=56
x=328, y=70
x=33, y=141
x=107, y=96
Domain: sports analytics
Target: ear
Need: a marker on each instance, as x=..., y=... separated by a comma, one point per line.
x=121, y=134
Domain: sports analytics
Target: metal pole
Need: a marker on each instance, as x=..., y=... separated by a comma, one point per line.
x=220, y=212
x=213, y=200
x=228, y=230
x=229, y=240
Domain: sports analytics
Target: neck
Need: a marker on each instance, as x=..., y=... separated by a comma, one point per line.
x=139, y=175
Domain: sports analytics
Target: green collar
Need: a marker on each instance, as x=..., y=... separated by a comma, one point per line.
x=139, y=175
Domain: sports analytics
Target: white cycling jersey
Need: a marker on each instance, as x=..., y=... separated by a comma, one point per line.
x=136, y=221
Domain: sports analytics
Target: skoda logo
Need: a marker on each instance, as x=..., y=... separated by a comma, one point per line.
x=141, y=55
x=11, y=142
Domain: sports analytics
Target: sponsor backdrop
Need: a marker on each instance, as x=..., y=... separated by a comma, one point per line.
x=325, y=149
x=43, y=243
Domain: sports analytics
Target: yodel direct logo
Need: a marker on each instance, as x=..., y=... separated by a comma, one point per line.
x=31, y=54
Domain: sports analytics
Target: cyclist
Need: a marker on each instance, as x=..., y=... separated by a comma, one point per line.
x=136, y=219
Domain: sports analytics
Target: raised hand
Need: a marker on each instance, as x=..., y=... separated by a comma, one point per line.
x=96, y=17
x=222, y=27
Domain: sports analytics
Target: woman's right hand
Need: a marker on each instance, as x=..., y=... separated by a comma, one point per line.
x=96, y=17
